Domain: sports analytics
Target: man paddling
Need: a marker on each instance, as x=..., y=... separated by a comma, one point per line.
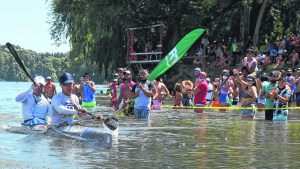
x=65, y=106
x=35, y=106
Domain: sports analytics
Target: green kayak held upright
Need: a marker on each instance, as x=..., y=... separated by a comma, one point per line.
x=176, y=53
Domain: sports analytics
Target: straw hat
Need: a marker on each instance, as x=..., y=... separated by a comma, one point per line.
x=187, y=82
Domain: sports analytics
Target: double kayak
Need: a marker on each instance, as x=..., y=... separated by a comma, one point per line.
x=99, y=137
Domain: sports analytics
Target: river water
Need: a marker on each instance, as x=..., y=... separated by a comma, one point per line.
x=169, y=139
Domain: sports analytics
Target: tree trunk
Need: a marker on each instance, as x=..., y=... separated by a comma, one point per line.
x=258, y=22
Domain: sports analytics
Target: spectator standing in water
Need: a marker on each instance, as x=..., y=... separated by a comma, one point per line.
x=88, y=89
x=143, y=91
x=200, y=92
x=267, y=91
x=161, y=93
x=49, y=88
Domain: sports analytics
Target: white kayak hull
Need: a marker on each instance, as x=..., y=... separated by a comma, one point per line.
x=88, y=135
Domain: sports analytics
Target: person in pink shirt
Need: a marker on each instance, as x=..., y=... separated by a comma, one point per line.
x=127, y=75
x=114, y=99
x=200, y=92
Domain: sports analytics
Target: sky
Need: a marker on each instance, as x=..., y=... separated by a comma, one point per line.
x=24, y=23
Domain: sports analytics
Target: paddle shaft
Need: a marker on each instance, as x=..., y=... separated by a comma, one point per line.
x=18, y=60
x=78, y=108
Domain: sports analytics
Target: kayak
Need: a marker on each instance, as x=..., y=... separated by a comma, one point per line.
x=93, y=136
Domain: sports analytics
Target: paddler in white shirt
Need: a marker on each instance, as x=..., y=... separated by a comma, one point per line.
x=35, y=107
x=63, y=103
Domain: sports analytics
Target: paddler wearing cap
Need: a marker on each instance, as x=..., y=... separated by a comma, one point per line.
x=63, y=108
x=35, y=107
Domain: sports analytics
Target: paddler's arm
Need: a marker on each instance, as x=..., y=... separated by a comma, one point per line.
x=24, y=95
x=61, y=109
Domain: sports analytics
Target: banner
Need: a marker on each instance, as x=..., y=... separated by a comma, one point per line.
x=176, y=53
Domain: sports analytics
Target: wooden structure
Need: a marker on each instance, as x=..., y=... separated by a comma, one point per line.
x=144, y=45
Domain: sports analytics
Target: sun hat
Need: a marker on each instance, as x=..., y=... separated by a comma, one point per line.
x=187, y=82
x=66, y=78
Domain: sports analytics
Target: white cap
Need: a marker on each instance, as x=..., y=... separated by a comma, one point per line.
x=39, y=79
x=48, y=78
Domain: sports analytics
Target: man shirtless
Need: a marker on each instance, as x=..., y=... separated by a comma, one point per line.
x=161, y=93
x=49, y=88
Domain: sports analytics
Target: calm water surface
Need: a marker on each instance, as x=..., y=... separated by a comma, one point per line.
x=169, y=139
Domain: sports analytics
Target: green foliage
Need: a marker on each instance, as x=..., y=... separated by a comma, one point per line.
x=44, y=64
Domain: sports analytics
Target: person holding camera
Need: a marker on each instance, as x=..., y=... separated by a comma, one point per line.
x=143, y=92
x=88, y=89
x=267, y=91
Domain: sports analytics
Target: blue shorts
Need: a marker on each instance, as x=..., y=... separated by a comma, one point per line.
x=34, y=121
x=249, y=111
x=223, y=98
x=141, y=113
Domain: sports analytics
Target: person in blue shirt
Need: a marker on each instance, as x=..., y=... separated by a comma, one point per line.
x=143, y=92
x=88, y=89
x=35, y=107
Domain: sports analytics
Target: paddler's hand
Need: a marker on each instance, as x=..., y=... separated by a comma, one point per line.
x=100, y=117
x=83, y=111
x=35, y=86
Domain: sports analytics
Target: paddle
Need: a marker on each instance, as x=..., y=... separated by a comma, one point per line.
x=18, y=60
x=110, y=122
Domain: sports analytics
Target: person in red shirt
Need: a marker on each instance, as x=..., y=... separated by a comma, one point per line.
x=200, y=92
x=49, y=88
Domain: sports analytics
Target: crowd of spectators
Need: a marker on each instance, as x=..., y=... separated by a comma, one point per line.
x=226, y=53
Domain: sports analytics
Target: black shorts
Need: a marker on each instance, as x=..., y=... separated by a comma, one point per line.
x=269, y=114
